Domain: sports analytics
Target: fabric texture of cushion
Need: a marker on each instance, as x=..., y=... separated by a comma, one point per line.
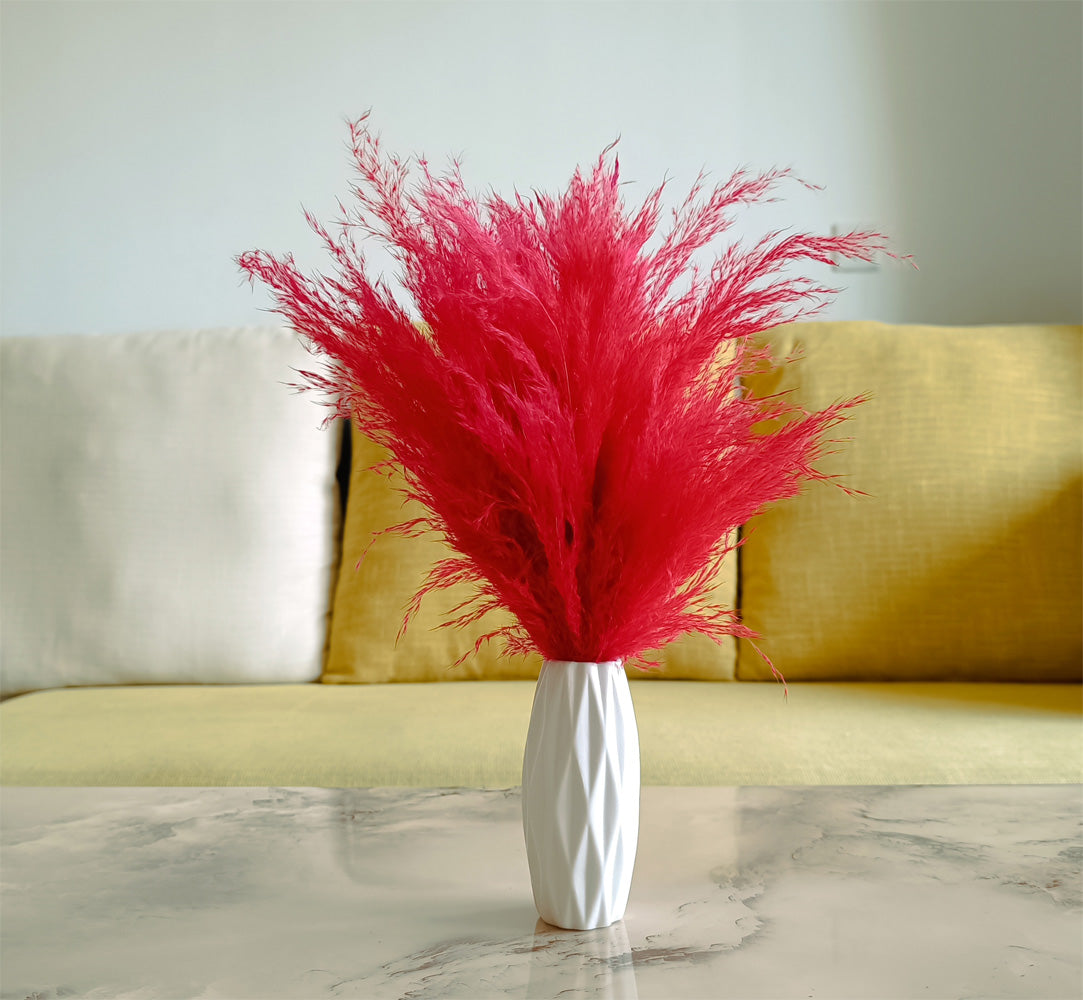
x=169, y=510
x=964, y=560
x=380, y=575
x=446, y=735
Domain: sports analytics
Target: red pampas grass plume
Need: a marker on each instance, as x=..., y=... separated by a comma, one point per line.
x=568, y=408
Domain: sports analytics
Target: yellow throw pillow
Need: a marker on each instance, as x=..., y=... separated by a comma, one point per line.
x=965, y=559
x=372, y=594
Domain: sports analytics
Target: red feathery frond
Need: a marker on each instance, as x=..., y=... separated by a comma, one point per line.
x=576, y=429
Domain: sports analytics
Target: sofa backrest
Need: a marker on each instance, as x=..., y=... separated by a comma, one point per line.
x=963, y=561
x=170, y=515
x=169, y=508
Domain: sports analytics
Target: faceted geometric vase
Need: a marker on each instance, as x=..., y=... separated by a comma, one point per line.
x=581, y=793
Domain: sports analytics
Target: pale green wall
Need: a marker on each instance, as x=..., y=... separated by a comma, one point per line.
x=144, y=144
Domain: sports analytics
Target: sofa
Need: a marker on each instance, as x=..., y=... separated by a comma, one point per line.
x=196, y=588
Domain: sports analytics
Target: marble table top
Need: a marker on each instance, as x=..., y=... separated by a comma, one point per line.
x=908, y=892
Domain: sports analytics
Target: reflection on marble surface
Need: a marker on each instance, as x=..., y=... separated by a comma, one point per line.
x=939, y=892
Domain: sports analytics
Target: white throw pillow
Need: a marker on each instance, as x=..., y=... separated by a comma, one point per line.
x=169, y=508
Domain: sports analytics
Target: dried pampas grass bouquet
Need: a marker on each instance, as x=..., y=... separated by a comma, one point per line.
x=564, y=397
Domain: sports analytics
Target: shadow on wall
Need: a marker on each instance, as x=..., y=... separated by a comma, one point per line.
x=985, y=103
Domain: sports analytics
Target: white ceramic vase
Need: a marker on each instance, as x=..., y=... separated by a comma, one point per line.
x=581, y=793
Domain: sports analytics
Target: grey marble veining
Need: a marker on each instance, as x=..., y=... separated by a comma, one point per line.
x=913, y=892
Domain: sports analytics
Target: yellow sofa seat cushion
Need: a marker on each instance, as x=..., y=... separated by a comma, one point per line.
x=691, y=733
x=378, y=577
x=964, y=560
